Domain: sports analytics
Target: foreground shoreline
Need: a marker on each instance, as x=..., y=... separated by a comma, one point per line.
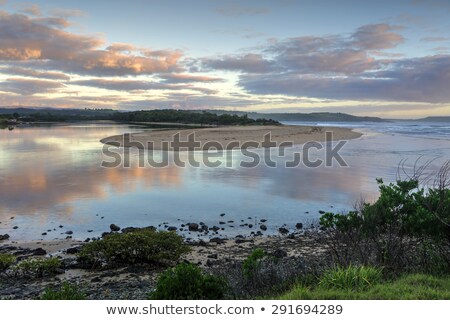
x=231, y=137
x=135, y=282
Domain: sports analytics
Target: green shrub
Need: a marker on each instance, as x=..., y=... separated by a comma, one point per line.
x=67, y=291
x=409, y=287
x=252, y=262
x=407, y=228
x=141, y=246
x=37, y=267
x=187, y=282
x=6, y=260
x=351, y=278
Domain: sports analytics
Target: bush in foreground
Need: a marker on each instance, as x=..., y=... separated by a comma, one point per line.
x=67, y=291
x=410, y=287
x=406, y=229
x=187, y=282
x=140, y=246
x=6, y=260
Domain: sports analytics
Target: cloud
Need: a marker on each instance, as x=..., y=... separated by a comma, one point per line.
x=27, y=38
x=311, y=54
x=31, y=9
x=416, y=80
x=24, y=86
x=250, y=63
x=377, y=36
x=233, y=10
x=187, y=78
x=34, y=73
x=137, y=85
x=66, y=13
x=434, y=39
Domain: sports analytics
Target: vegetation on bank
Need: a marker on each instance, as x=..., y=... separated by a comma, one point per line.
x=154, y=116
x=67, y=291
x=139, y=246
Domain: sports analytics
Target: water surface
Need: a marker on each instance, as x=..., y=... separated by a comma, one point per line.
x=51, y=176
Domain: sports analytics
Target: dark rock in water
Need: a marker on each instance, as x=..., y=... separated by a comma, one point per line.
x=263, y=227
x=12, y=218
x=279, y=253
x=291, y=236
x=250, y=226
x=231, y=221
x=114, y=227
x=263, y=220
x=87, y=239
x=44, y=233
x=306, y=211
x=283, y=230
x=321, y=212
x=204, y=228
x=68, y=237
x=222, y=214
x=217, y=240
x=69, y=232
x=202, y=223
x=39, y=252
x=73, y=250
x=172, y=228
x=249, y=218
x=61, y=226
x=15, y=227
x=215, y=228
x=129, y=229
x=239, y=236
x=258, y=233
x=299, y=225
x=90, y=231
x=4, y=237
x=193, y=226
x=213, y=256
x=222, y=222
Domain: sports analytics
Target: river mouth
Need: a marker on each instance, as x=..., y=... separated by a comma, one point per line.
x=51, y=182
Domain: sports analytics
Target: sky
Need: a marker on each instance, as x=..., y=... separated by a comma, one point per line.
x=376, y=58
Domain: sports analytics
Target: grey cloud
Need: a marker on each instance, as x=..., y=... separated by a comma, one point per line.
x=137, y=85
x=416, y=80
x=34, y=73
x=377, y=36
x=250, y=63
x=434, y=39
x=29, y=86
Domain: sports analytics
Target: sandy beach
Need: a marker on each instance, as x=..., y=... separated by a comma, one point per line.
x=237, y=137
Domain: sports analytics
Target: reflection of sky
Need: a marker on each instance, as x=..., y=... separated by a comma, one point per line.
x=52, y=176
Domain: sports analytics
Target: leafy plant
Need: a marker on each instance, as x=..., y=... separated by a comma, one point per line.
x=406, y=228
x=140, y=246
x=187, y=282
x=252, y=262
x=37, y=267
x=67, y=291
x=6, y=260
x=351, y=278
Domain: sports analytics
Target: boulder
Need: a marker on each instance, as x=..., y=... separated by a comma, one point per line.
x=114, y=227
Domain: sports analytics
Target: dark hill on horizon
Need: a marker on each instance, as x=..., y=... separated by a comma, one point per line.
x=56, y=114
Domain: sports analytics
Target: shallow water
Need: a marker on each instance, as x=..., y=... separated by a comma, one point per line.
x=51, y=176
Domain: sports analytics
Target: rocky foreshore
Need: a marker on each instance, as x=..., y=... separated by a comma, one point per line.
x=213, y=253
